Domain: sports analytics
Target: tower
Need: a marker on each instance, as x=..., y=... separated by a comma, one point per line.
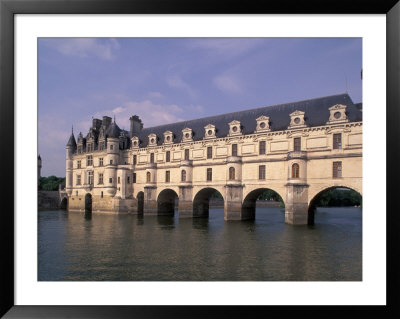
x=70, y=149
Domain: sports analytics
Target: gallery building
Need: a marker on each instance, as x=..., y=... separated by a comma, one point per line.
x=298, y=150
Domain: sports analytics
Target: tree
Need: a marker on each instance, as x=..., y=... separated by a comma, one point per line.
x=51, y=183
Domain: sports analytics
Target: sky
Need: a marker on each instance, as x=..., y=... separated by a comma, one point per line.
x=166, y=80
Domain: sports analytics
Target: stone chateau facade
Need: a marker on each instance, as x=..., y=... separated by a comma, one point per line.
x=297, y=149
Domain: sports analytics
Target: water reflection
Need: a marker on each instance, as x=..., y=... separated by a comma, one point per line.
x=154, y=248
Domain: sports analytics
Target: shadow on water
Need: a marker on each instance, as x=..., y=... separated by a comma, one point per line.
x=166, y=222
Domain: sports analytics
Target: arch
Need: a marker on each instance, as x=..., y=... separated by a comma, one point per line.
x=295, y=170
x=64, y=203
x=231, y=173
x=201, y=202
x=140, y=202
x=88, y=203
x=316, y=199
x=249, y=202
x=166, y=202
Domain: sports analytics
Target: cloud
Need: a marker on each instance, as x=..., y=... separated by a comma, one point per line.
x=227, y=47
x=228, y=83
x=175, y=81
x=155, y=95
x=84, y=47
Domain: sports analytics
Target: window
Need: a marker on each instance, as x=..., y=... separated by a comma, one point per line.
x=79, y=149
x=78, y=179
x=297, y=144
x=119, y=180
x=110, y=180
x=183, y=175
x=111, y=147
x=209, y=152
x=101, y=194
x=152, y=158
x=234, y=149
x=100, y=178
x=127, y=180
x=100, y=161
x=209, y=174
x=168, y=156
x=337, y=141
x=101, y=146
x=76, y=193
x=90, y=177
x=89, y=160
x=148, y=176
x=187, y=154
x=295, y=170
x=79, y=164
x=89, y=147
x=134, y=159
x=337, y=169
x=262, y=148
x=167, y=176
x=111, y=162
x=231, y=173
x=261, y=172
x=134, y=178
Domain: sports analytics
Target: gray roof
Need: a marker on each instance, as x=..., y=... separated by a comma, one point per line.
x=316, y=114
x=113, y=130
x=71, y=141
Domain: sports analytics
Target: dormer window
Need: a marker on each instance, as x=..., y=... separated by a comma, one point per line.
x=209, y=131
x=297, y=119
x=235, y=128
x=337, y=114
x=152, y=139
x=262, y=124
x=187, y=135
x=135, y=142
x=168, y=137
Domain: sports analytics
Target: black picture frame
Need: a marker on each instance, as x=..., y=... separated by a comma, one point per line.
x=8, y=9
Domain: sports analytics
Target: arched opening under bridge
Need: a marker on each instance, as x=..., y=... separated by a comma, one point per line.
x=201, y=202
x=336, y=196
x=261, y=197
x=88, y=204
x=166, y=202
x=64, y=203
x=140, y=202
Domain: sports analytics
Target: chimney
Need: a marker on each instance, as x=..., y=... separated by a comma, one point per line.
x=106, y=121
x=136, y=125
x=96, y=123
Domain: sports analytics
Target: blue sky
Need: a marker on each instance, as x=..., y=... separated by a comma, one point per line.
x=164, y=80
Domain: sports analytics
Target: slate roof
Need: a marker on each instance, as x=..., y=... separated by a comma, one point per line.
x=316, y=114
x=71, y=141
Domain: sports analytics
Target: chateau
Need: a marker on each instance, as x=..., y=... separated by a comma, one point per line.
x=297, y=149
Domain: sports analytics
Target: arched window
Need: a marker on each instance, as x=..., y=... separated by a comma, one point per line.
x=231, y=173
x=295, y=170
x=183, y=176
x=148, y=175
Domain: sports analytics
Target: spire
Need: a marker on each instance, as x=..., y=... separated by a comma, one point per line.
x=71, y=141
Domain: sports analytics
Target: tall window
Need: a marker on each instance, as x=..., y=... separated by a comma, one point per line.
x=101, y=194
x=100, y=178
x=209, y=174
x=337, y=141
x=134, y=159
x=100, y=161
x=231, y=173
x=101, y=146
x=89, y=147
x=90, y=177
x=168, y=156
x=262, y=148
x=148, y=177
x=89, y=160
x=79, y=164
x=78, y=179
x=134, y=178
x=295, y=170
x=234, y=149
x=167, y=176
x=79, y=151
x=183, y=175
x=119, y=180
x=110, y=180
x=187, y=154
x=261, y=172
x=151, y=157
x=297, y=144
x=337, y=169
x=111, y=147
x=209, y=152
x=111, y=162
x=128, y=180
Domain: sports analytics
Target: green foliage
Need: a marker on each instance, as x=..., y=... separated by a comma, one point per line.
x=269, y=194
x=339, y=197
x=51, y=183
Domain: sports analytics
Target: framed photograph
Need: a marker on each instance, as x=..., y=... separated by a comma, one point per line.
x=159, y=111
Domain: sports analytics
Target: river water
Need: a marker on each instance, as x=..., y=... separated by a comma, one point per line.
x=155, y=248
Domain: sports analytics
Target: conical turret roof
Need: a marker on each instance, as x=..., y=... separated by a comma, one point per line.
x=71, y=141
